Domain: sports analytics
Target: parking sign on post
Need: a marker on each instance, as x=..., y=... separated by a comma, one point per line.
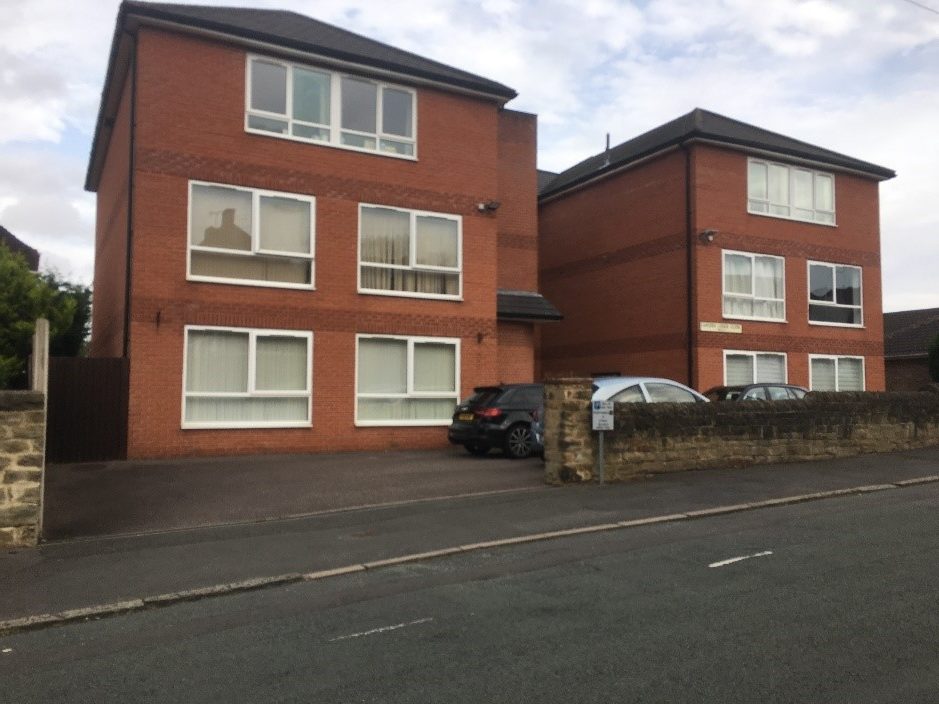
x=603, y=415
x=602, y=420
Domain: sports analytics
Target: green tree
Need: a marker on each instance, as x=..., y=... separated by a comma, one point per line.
x=934, y=359
x=24, y=297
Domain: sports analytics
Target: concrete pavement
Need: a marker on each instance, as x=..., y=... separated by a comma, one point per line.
x=79, y=574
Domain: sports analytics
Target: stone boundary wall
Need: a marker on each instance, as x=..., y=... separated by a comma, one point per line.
x=22, y=457
x=667, y=437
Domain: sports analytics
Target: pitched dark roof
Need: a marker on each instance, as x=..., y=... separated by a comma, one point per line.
x=703, y=124
x=18, y=246
x=524, y=305
x=296, y=31
x=544, y=178
x=907, y=333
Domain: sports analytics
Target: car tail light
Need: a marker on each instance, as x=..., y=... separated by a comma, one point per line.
x=536, y=415
x=489, y=413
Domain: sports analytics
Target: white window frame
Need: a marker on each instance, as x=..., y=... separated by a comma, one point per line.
x=754, y=354
x=335, y=111
x=752, y=296
x=409, y=393
x=834, y=304
x=790, y=168
x=252, y=392
x=837, y=358
x=256, y=249
x=412, y=249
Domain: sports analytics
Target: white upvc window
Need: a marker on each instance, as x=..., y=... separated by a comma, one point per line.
x=410, y=253
x=406, y=380
x=835, y=295
x=314, y=105
x=246, y=378
x=743, y=367
x=793, y=192
x=836, y=373
x=754, y=286
x=250, y=237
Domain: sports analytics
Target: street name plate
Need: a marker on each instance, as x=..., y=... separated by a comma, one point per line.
x=722, y=327
x=603, y=415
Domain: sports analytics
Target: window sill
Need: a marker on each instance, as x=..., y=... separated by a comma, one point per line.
x=254, y=284
x=406, y=294
x=791, y=219
x=780, y=321
x=402, y=423
x=245, y=426
x=836, y=325
x=333, y=145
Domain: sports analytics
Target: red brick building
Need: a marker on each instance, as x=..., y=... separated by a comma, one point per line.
x=711, y=252
x=306, y=240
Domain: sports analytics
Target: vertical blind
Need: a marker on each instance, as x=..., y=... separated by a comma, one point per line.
x=221, y=389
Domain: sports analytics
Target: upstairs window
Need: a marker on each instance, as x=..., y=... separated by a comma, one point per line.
x=319, y=106
x=409, y=253
x=790, y=192
x=250, y=237
x=754, y=286
x=835, y=294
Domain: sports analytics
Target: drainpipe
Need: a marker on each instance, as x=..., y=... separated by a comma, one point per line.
x=689, y=265
x=130, y=190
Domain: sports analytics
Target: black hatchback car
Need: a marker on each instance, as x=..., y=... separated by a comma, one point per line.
x=756, y=392
x=497, y=416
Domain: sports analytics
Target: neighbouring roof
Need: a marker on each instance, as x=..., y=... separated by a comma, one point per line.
x=16, y=245
x=907, y=333
x=545, y=178
x=705, y=125
x=292, y=31
x=524, y=305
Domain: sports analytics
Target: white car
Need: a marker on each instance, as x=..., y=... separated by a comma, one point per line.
x=643, y=389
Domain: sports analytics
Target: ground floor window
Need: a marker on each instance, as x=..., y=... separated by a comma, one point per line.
x=406, y=380
x=246, y=378
x=830, y=373
x=741, y=368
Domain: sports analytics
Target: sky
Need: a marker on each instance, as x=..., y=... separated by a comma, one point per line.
x=860, y=77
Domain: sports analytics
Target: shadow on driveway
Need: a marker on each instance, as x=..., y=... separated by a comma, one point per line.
x=111, y=498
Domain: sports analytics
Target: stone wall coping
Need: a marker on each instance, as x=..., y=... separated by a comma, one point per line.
x=21, y=400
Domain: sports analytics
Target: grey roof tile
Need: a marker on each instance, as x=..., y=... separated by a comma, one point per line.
x=524, y=305
x=909, y=332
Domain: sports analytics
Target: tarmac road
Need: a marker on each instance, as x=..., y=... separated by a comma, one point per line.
x=834, y=601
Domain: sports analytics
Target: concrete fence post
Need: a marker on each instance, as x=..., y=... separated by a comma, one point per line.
x=569, y=442
x=39, y=360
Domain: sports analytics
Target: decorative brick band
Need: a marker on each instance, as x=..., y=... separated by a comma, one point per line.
x=789, y=248
x=652, y=248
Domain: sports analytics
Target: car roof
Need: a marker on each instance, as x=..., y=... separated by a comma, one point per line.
x=608, y=386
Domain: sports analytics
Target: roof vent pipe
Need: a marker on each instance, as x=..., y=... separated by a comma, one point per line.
x=606, y=154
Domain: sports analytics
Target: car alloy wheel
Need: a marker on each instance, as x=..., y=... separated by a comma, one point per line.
x=518, y=442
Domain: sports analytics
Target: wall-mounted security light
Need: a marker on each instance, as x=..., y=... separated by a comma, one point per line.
x=707, y=236
x=489, y=206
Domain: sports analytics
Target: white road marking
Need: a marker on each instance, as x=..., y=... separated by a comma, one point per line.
x=383, y=629
x=7, y=650
x=740, y=559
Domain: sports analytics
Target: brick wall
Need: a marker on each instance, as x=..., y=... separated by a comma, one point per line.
x=22, y=446
x=906, y=374
x=107, y=320
x=659, y=437
x=612, y=259
x=720, y=203
x=190, y=125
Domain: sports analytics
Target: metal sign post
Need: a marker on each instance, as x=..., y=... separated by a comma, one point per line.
x=602, y=420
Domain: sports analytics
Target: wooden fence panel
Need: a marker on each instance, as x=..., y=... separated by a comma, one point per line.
x=87, y=409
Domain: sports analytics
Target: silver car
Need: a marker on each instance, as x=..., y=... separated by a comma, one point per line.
x=643, y=389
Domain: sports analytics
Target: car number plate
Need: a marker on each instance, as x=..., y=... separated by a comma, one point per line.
x=465, y=416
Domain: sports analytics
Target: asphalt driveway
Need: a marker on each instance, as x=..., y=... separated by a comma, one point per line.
x=113, y=498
